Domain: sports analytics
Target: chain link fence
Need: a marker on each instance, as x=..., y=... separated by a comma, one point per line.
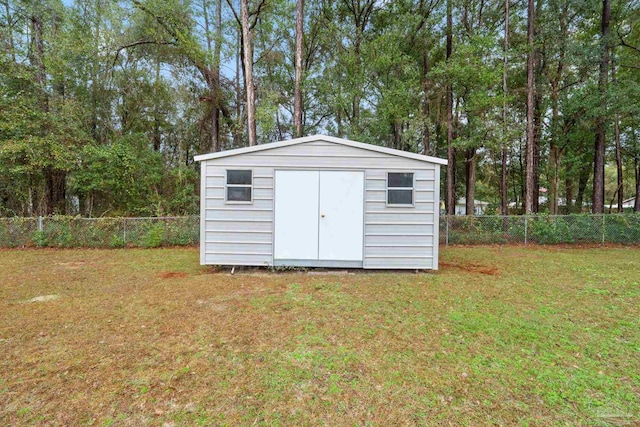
x=540, y=229
x=69, y=232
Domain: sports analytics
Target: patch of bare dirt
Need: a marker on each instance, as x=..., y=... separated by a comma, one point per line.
x=172, y=274
x=472, y=268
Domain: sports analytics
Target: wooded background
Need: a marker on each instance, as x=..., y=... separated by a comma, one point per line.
x=103, y=104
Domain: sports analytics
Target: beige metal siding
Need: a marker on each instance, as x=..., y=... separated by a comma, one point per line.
x=399, y=237
x=394, y=237
x=237, y=234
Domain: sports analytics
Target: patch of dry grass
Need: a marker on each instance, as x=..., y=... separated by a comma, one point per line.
x=505, y=336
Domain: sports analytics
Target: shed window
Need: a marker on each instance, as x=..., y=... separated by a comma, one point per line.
x=400, y=188
x=239, y=186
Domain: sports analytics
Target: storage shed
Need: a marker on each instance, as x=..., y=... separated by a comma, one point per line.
x=320, y=201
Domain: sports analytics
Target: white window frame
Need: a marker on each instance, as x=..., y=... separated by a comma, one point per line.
x=412, y=188
x=227, y=185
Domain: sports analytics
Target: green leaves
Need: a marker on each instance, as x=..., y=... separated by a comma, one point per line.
x=117, y=80
x=124, y=174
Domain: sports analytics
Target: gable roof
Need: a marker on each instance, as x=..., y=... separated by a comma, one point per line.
x=341, y=141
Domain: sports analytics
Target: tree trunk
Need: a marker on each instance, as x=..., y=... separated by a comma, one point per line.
x=636, y=205
x=451, y=185
x=518, y=179
x=568, y=194
x=297, y=102
x=583, y=180
x=504, y=207
x=470, y=176
x=600, y=133
x=555, y=157
x=636, y=167
x=279, y=126
x=237, y=131
x=426, y=86
x=529, y=161
x=213, y=77
x=55, y=188
x=538, y=109
x=537, y=136
x=355, y=101
x=215, y=89
x=396, y=134
x=555, y=150
x=504, y=179
x=205, y=15
x=37, y=59
x=618, y=146
x=156, y=115
x=247, y=45
x=54, y=179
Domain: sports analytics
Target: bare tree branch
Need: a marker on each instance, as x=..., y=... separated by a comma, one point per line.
x=256, y=14
x=140, y=43
x=625, y=44
x=235, y=14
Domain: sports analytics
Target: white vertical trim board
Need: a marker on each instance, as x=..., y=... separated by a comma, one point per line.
x=203, y=207
x=366, y=174
x=273, y=217
x=436, y=219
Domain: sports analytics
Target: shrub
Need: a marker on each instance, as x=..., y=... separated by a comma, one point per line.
x=116, y=242
x=40, y=239
x=549, y=230
x=182, y=231
x=154, y=236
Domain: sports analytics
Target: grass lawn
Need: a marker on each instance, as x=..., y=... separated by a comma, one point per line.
x=499, y=336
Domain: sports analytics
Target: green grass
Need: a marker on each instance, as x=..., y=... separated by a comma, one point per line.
x=500, y=335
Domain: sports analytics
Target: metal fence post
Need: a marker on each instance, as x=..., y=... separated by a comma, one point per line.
x=447, y=232
x=603, y=229
x=526, y=225
x=40, y=223
x=124, y=231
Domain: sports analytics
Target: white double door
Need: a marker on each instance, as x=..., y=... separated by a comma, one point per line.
x=319, y=215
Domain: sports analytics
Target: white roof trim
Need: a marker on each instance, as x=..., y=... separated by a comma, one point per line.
x=325, y=138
